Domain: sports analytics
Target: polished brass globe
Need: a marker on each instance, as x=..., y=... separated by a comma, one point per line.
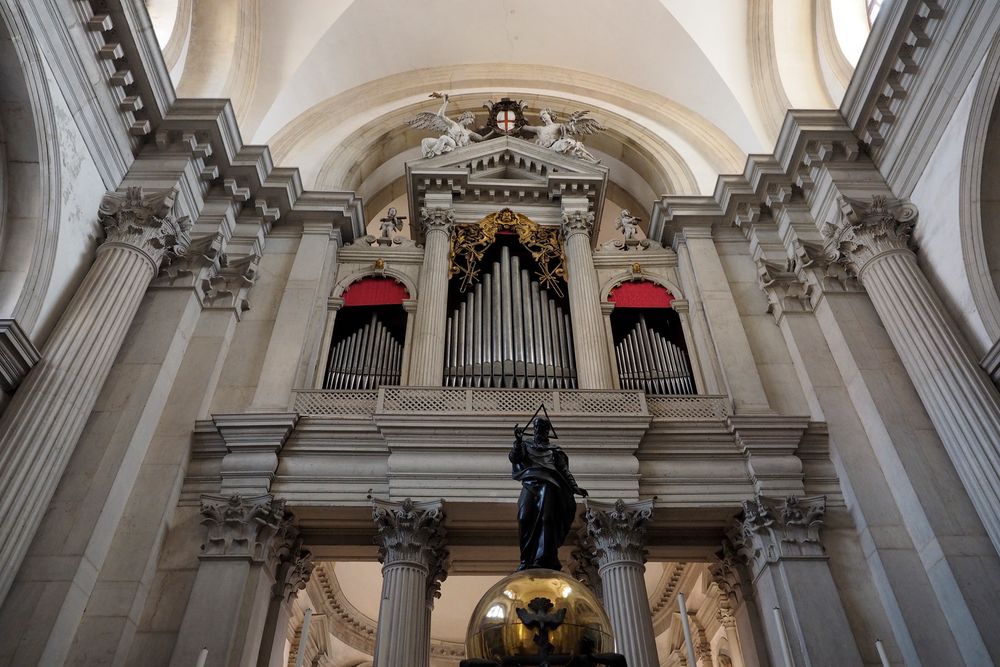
x=496, y=631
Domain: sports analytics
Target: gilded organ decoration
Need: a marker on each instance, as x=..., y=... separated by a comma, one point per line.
x=470, y=242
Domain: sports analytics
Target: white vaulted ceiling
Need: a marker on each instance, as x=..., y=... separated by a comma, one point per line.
x=687, y=89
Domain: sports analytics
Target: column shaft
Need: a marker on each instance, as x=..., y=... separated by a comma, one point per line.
x=627, y=604
x=593, y=368
x=427, y=357
x=961, y=402
x=42, y=424
x=400, y=639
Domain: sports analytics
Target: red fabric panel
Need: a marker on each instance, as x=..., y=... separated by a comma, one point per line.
x=375, y=292
x=640, y=294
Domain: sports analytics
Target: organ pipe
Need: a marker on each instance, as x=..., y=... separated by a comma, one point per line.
x=649, y=361
x=367, y=358
x=515, y=333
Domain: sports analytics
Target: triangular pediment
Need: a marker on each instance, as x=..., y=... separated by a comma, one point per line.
x=508, y=158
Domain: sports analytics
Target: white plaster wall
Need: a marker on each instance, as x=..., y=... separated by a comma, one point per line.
x=937, y=233
x=82, y=190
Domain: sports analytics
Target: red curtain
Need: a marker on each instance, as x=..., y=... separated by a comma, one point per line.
x=375, y=292
x=640, y=294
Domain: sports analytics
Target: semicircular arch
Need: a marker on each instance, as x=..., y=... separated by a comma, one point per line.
x=386, y=272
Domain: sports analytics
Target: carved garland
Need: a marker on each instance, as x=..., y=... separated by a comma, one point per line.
x=470, y=242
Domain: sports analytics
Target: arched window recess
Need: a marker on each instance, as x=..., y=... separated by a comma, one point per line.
x=649, y=343
x=366, y=349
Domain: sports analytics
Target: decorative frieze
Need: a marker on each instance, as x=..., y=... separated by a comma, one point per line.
x=143, y=221
x=775, y=528
x=868, y=231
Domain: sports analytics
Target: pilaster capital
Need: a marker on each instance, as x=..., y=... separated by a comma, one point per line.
x=730, y=574
x=291, y=564
x=583, y=563
x=577, y=222
x=437, y=220
x=772, y=529
x=410, y=532
x=242, y=526
x=618, y=532
x=143, y=221
x=868, y=231
x=786, y=291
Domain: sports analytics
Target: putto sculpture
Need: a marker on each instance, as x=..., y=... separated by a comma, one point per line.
x=627, y=224
x=389, y=225
x=456, y=132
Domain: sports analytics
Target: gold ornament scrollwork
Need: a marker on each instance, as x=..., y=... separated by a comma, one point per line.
x=470, y=242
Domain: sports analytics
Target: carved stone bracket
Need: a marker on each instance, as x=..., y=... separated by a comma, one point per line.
x=618, y=532
x=867, y=231
x=143, y=222
x=775, y=528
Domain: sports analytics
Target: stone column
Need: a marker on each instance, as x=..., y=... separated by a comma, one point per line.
x=871, y=240
x=617, y=534
x=43, y=422
x=252, y=553
x=411, y=549
x=593, y=368
x=778, y=538
x=427, y=357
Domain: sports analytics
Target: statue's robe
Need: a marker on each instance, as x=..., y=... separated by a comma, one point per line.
x=546, y=507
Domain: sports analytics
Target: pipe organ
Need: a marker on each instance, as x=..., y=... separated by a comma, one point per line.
x=648, y=360
x=368, y=357
x=508, y=331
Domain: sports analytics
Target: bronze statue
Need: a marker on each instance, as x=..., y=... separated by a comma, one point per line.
x=546, y=507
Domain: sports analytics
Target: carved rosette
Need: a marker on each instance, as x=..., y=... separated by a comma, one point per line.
x=618, y=533
x=776, y=528
x=143, y=221
x=577, y=222
x=242, y=526
x=410, y=532
x=437, y=220
x=868, y=231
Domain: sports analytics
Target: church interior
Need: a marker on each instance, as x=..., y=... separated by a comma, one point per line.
x=287, y=285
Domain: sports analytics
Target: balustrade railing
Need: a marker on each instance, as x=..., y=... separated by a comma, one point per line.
x=458, y=400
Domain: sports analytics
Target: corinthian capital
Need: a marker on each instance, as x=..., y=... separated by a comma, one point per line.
x=410, y=532
x=577, y=222
x=437, y=219
x=242, y=526
x=143, y=221
x=866, y=231
x=618, y=532
x=775, y=528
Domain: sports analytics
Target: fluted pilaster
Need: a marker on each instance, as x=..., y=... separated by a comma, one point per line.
x=616, y=534
x=427, y=358
x=871, y=240
x=411, y=549
x=593, y=368
x=42, y=424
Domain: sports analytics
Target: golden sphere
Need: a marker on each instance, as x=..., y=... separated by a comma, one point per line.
x=496, y=631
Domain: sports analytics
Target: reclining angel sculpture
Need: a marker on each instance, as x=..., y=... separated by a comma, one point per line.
x=456, y=132
x=558, y=136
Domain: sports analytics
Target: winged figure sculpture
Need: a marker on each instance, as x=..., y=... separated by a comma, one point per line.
x=558, y=136
x=455, y=133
